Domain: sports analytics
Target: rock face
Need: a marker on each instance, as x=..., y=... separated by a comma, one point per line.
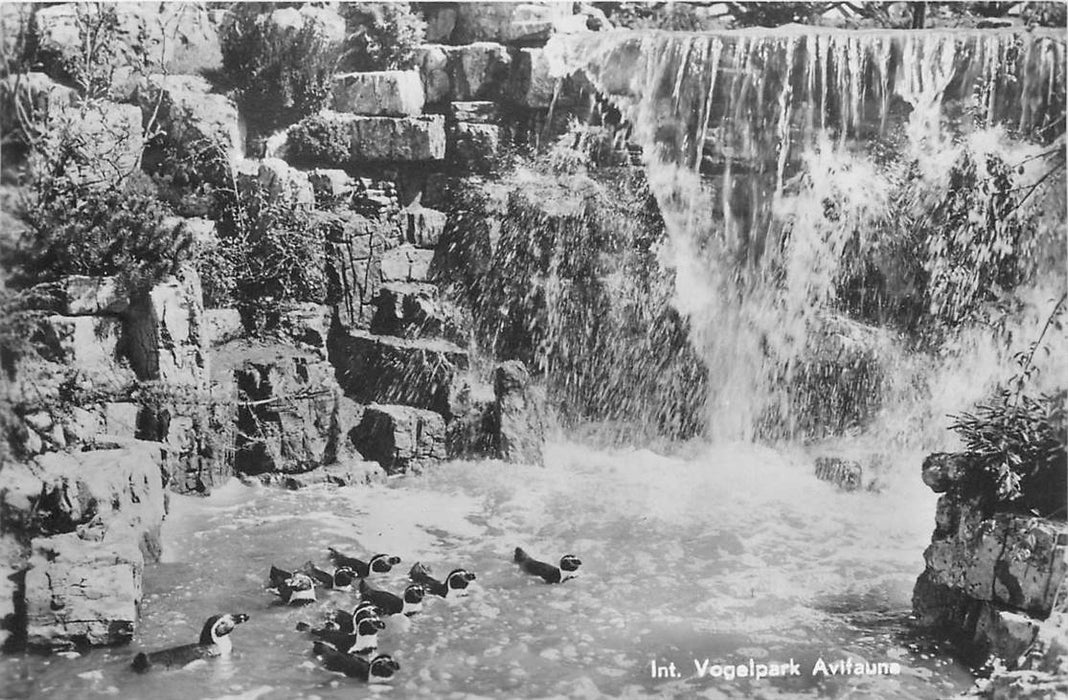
x=993, y=582
x=400, y=437
x=165, y=335
x=194, y=118
x=518, y=415
x=508, y=22
x=386, y=370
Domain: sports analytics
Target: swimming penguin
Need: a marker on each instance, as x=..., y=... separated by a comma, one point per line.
x=294, y=588
x=214, y=641
x=378, y=564
x=457, y=581
x=390, y=604
x=363, y=639
x=378, y=670
x=341, y=580
x=568, y=568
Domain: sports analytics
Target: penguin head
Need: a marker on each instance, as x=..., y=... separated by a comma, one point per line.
x=570, y=563
x=364, y=609
x=343, y=577
x=382, y=668
x=414, y=594
x=218, y=626
x=383, y=563
x=369, y=626
x=459, y=579
x=300, y=582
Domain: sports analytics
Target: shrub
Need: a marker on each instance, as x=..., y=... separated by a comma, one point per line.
x=319, y=139
x=77, y=229
x=280, y=73
x=381, y=35
x=271, y=251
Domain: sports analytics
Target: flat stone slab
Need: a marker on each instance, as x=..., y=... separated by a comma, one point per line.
x=388, y=93
x=383, y=139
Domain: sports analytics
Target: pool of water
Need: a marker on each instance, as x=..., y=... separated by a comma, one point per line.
x=719, y=553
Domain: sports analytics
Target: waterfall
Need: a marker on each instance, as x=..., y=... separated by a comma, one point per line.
x=758, y=145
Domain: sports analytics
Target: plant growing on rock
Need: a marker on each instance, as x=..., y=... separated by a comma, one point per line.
x=318, y=139
x=281, y=66
x=381, y=35
x=1018, y=441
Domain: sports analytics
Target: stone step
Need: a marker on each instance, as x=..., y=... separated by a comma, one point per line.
x=387, y=93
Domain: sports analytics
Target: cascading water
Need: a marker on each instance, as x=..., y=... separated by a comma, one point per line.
x=762, y=148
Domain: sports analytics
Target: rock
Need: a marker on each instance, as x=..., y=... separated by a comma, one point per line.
x=400, y=438
x=389, y=93
x=118, y=488
x=222, y=325
x=120, y=419
x=285, y=183
x=408, y=310
x=475, y=147
x=843, y=473
x=34, y=94
x=81, y=592
x=471, y=433
x=424, y=227
x=330, y=186
x=508, y=22
x=165, y=335
x=81, y=295
x=1011, y=560
x=433, y=64
x=352, y=473
x=519, y=415
x=477, y=112
x=287, y=423
x=407, y=264
x=476, y=71
x=440, y=22
x=942, y=470
x=194, y=118
x=106, y=139
x=383, y=139
x=387, y=370
x=88, y=345
x=532, y=84
x=355, y=245
x=307, y=325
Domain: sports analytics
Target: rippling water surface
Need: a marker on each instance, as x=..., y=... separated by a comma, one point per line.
x=724, y=553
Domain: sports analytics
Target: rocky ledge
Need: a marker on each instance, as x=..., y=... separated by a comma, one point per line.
x=995, y=585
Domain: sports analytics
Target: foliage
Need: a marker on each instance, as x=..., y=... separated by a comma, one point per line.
x=381, y=35
x=280, y=73
x=106, y=45
x=1019, y=440
x=271, y=251
x=320, y=139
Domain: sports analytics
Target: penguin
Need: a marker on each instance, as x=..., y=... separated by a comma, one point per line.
x=457, y=580
x=568, y=568
x=378, y=564
x=363, y=640
x=214, y=641
x=341, y=620
x=378, y=670
x=390, y=604
x=341, y=580
x=294, y=588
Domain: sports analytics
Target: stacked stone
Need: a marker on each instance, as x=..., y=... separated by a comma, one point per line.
x=995, y=582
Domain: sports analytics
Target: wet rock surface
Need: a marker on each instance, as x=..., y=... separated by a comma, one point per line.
x=400, y=438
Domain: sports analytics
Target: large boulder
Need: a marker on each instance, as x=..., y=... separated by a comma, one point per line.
x=82, y=592
x=193, y=117
x=33, y=98
x=421, y=373
x=287, y=418
x=407, y=263
x=400, y=437
x=478, y=71
x=102, y=141
x=355, y=245
x=83, y=295
x=90, y=346
x=388, y=93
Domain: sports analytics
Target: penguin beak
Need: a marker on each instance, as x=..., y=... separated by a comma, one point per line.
x=380, y=625
x=393, y=561
x=469, y=576
x=239, y=618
